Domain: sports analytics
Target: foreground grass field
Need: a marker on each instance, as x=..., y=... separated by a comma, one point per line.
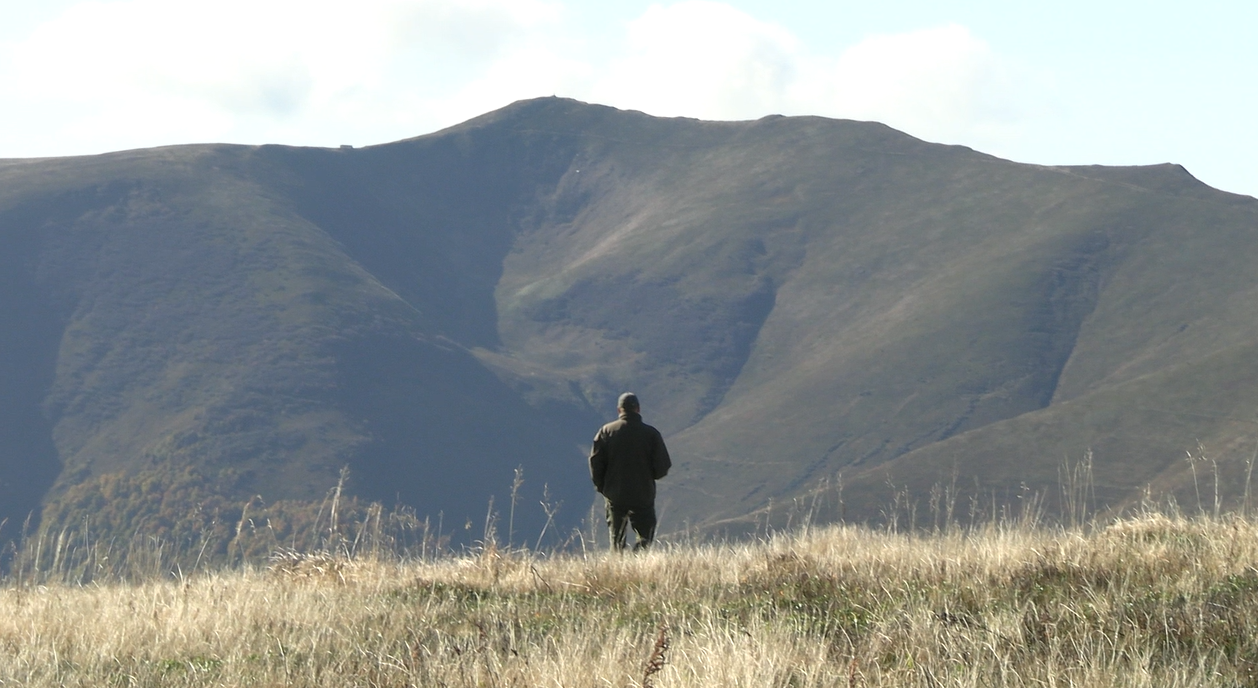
x=1150, y=601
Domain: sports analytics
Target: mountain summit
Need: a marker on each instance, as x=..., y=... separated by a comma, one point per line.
x=798, y=301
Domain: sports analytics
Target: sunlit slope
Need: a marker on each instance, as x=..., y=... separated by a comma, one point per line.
x=1092, y=295
x=807, y=296
x=1187, y=432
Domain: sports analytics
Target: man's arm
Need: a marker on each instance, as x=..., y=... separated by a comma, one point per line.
x=660, y=461
x=598, y=461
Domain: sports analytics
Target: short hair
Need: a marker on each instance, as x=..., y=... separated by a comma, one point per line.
x=628, y=402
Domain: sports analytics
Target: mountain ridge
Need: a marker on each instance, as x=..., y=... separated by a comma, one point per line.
x=797, y=300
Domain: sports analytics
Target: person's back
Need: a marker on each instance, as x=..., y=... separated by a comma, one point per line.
x=636, y=458
x=627, y=458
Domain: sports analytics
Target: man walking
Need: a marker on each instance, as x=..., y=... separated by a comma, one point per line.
x=627, y=458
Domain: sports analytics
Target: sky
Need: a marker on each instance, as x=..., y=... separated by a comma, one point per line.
x=1067, y=82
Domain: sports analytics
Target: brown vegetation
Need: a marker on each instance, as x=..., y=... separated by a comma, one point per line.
x=1152, y=600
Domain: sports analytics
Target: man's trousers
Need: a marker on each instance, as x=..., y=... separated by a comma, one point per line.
x=620, y=518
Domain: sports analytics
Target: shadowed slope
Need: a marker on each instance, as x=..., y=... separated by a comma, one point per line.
x=32, y=324
x=212, y=327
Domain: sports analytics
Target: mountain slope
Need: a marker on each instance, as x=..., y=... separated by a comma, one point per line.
x=792, y=298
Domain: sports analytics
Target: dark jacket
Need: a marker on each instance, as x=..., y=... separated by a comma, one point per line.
x=627, y=458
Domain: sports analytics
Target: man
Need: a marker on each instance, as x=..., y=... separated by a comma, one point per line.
x=627, y=458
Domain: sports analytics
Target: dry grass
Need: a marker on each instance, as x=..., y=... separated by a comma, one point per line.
x=1153, y=601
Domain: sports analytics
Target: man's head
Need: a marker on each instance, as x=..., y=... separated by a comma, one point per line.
x=628, y=402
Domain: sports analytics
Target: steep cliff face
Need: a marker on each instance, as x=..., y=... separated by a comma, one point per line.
x=792, y=298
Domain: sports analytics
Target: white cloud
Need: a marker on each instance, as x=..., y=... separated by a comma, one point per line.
x=233, y=55
x=124, y=73
x=133, y=70
x=940, y=83
x=703, y=59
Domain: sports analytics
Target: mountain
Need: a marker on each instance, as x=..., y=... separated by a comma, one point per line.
x=819, y=314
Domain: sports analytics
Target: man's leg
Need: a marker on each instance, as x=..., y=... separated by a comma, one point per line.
x=617, y=524
x=643, y=521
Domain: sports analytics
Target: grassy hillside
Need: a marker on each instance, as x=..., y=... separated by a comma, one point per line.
x=1149, y=601
x=798, y=301
x=173, y=317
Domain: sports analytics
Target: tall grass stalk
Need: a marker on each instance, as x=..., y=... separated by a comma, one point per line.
x=1154, y=600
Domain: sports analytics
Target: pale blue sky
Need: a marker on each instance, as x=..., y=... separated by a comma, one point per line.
x=1053, y=83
